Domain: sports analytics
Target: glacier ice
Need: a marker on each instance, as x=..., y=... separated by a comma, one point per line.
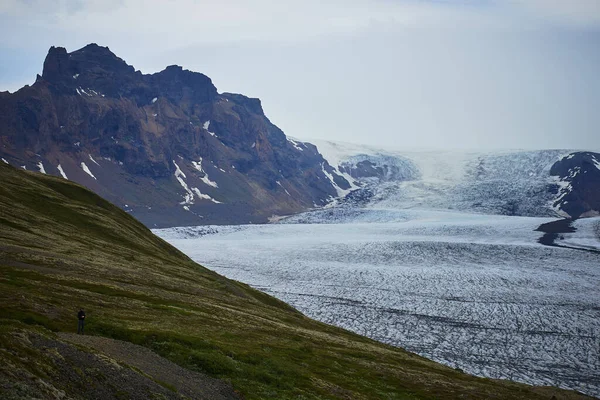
x=472, y=291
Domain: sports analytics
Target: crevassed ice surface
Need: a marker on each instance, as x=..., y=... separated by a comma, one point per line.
x=417, y=259
x=513, y=182
x=475, y=292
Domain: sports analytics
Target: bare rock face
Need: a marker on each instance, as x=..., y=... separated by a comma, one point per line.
x=166, y=147
x=579, y=184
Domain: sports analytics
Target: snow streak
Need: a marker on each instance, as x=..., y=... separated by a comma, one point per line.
x=206, y=127
x=189, y=196
x=62, y=172
x=87, y=170
x=205, y=179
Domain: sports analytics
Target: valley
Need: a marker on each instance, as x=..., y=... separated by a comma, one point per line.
x=485, y=262
x=475, y=292
x=439, y=253
x=138, y=290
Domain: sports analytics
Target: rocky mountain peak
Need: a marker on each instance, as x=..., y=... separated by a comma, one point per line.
x=166, y=147
x=90, y=57
x=578, y=184
x=92, y=67
x=96, y=69
x=56, y=64
x=179, y=84
x=253, y=104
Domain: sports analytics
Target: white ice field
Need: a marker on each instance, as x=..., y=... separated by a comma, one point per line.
x=475, y=292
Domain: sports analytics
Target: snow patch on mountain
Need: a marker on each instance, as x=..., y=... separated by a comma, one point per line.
x=92, y=159
x=180, y=176
x=596, y=162
x=204, y=178
x=189, y=195
x=62, y=172
x=279, y=183
x=89, y=93
x=332, y=161
x=87, y=170
x=204, y=196
x=206, y=127
x=297, y=144
x=41, y=167
x=340, y=192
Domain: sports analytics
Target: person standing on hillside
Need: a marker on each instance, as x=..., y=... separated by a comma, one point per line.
x=81, y=322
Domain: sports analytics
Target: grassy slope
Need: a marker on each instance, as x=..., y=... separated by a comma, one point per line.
x=62, y=247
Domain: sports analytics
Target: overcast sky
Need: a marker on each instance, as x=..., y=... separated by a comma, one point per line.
x=401, y=73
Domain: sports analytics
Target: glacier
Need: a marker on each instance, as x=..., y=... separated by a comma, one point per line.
x=474, y=292
x=510, y=182
x=428, y=256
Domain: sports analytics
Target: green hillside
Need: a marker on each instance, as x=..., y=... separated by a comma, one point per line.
x=63, y=247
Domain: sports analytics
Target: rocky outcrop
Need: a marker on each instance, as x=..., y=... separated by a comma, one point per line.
x=166, y=147
x=578, y=189
x=380, y=167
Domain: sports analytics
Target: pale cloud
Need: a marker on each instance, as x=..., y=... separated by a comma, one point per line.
x=575, y=13
x=168, y=23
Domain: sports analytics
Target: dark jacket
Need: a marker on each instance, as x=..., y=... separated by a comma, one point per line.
x=81, y=314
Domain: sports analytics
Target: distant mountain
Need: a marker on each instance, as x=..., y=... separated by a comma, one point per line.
x=527, y=183
x=166, y=147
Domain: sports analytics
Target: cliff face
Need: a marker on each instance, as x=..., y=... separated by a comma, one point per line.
x=579, y=184
x=167, y=147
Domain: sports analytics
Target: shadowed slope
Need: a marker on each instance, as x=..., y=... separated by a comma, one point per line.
x=62, y=247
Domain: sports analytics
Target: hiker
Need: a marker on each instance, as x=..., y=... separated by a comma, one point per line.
x=81, y=318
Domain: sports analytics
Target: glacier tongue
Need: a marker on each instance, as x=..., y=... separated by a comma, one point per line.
x=436, y=252
x=475, y=292
x=496, y=182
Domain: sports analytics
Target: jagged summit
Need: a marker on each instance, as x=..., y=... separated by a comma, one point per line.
x=178, y=84
x=251, y=103
x=59, y=63
x=99, y=69
x=166, y=147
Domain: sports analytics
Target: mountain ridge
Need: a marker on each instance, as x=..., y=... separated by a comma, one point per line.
x=171, y=150
x=166, y=147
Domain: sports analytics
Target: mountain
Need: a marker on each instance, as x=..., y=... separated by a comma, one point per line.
x=63, y=247
x=579, y=177
x=540, y=183
x=166, y=147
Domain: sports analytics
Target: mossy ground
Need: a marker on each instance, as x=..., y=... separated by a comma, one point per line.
x=62, y=247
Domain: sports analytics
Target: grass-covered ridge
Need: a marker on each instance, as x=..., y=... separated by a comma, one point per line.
x=62, y=247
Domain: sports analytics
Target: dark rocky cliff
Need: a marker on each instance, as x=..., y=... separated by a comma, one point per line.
x=166, y=147
x=578, y=194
